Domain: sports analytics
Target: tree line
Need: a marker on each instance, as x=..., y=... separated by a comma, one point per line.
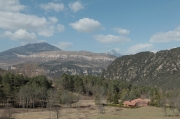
x=112, y=90
x=23, y=91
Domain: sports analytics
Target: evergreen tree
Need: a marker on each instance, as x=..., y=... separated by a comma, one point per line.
x=109, y=97
x=115, y=98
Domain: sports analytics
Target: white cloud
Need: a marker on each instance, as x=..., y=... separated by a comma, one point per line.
x=111, y=39
x=19, y=26
x=11, y=5
x=122, y=31
x=60, y=27
x=76, y=6
x=166, y=36
x=140, y=47
x=53, y=19
x=45, y=33
x=14, y=21
x=33, y=23
x=51, y=29
x=52, y=6
x=20, y=34
x=64, y=45
x=86, y=25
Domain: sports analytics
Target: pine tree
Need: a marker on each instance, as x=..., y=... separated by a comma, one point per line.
x=115, y=98
x=109, y=97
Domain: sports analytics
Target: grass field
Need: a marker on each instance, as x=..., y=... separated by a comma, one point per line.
x=92, y=112
x=137, y=113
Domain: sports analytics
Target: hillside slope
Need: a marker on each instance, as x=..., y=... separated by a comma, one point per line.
x=160, y=69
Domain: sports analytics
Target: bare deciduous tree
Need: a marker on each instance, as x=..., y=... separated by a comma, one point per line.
x=177, y=104
x=8, y=112
x=52, y=103
x=98, y=99
x=163, y=103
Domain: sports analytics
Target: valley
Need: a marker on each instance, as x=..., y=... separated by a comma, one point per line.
x=89, y=59
x=74, y=84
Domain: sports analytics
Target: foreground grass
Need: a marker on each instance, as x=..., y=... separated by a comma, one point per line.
x=92, y=112
x=138, y=113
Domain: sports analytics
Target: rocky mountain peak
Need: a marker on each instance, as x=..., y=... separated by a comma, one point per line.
x=114, y=52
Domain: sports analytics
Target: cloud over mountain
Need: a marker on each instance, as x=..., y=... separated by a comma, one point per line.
x=140, y=47
x=86, y=25
x=20, y=34
x=111, y=38
x=64, y=45
x=168, y=36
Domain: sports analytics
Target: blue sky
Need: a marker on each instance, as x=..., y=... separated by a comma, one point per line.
x=127, y=26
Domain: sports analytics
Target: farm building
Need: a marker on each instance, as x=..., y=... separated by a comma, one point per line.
x=135, y=102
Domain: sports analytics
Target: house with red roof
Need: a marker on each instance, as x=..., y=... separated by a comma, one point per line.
x=136, y=102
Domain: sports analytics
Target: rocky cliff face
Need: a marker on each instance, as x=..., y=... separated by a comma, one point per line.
x=146, y=67
x=55, y=63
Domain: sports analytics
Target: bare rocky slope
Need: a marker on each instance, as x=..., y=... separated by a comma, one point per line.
x=55, y=63
x=148, y=68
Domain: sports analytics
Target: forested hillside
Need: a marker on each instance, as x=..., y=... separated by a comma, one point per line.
x=148, y=68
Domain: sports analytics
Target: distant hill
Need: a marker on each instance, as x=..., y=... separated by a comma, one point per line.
x=55, y=63
x=148, y=68
x=30, y=49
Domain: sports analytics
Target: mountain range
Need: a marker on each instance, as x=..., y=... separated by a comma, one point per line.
x=53, y=61
x=145, y=68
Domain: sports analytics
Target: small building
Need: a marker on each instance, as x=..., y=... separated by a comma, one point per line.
x=136, y=102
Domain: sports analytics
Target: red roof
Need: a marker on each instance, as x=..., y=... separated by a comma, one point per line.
x=136, y=101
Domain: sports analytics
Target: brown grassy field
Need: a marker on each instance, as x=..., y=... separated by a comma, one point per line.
x=92, y=112
x=147, y=112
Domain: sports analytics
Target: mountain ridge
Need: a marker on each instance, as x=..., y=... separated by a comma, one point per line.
x=53, y=61
x=30, y=49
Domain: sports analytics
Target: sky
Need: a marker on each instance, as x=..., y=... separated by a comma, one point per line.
x=126, y=26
